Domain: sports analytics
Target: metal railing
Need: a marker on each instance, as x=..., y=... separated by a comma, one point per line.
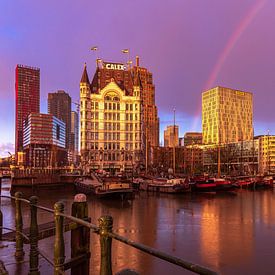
x=80, y=239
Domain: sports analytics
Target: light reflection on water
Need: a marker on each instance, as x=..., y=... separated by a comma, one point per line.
x=231, y=233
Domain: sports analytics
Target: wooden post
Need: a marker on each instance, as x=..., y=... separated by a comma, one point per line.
x=105, y=226
x=59, y=246
x=19, y=252
x=80, y=237
x=34, y=254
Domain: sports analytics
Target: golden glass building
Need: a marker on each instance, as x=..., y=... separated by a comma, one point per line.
x=227, y=115
x=111, y=118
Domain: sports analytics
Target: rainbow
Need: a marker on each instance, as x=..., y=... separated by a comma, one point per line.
x=238, y=32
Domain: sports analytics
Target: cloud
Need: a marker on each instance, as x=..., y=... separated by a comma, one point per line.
x=5, y=148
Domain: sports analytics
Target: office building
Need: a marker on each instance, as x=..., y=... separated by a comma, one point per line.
x=59, y=105
x=44, y=141
x=27, y=97
x=226, y=115
x=110, y=114
x=266, y=154
x=171, y=136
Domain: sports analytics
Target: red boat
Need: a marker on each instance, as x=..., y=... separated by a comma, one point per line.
x=205, y=184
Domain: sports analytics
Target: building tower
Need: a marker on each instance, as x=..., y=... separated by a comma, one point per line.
x=110, y=108
x=226, y=116
x=27, y=99
x=59, y=105
x=171, y=136
x=150, y=111
x=74, y=135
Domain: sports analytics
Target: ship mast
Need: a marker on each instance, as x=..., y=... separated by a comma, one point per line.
x=174, y=143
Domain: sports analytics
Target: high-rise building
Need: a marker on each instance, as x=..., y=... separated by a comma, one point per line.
x=27, y=99
x=59, y=105
x=74, y=135
x=192, y=138
x=44, y=141
x=110, y=113
x=171, y=136
x=226, y=115
x=149, y=108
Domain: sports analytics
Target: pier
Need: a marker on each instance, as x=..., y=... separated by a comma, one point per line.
x=80, y=226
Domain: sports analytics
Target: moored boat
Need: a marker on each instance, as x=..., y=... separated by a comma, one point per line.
x=205, y=184
x=93, y=185
x=163, y=185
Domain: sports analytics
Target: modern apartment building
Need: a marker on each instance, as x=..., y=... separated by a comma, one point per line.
x=27, y=99
x=44, y=141
x=227, y=115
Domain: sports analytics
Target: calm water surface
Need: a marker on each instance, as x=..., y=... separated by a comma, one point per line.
x=229, y=233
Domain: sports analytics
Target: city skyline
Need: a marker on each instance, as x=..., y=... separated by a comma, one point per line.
x=235, y=52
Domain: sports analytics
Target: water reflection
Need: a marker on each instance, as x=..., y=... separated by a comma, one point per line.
x=231, y=233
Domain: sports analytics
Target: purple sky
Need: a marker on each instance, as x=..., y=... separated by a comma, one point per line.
x=188, y=45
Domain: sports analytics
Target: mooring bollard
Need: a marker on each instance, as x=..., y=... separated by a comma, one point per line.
x=19, y=251
x=105, y=226
x=34, y=254
x=80, y=237
x=59, y=246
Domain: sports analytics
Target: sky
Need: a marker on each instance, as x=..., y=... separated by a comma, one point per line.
x=188, y=45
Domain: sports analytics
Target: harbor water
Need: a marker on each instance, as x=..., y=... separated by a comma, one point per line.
x=231, y=233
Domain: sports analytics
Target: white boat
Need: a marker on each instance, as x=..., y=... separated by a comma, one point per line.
x=93, y=185
x=163, y=185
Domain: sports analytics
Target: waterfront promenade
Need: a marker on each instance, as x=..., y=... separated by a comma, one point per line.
x=229, y=233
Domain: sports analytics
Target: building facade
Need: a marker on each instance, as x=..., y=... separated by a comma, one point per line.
x=110, y=114
x=236, y=159
x=124, y=77
x=226, y=115
x=74, y=136
x=44, y=141
x=150, y=118
x=171, y=136
x=192, y=138
x=27, y=99
x=59, y=105
x=267, y=154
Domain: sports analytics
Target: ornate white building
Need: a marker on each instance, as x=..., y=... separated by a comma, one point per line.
x=110, y=125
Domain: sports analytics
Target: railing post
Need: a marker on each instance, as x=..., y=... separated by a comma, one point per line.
x=19, y=252
x=105, y=226
x=34, y=254
x=80, y=237
x=59, y=246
